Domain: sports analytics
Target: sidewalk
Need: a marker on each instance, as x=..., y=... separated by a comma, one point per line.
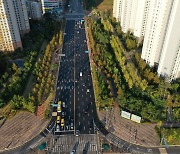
x=143, y=134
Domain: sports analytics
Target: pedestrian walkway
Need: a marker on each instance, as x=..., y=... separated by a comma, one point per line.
x=143, y=134
x=65, y=144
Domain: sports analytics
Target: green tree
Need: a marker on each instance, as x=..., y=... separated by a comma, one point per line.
x=17, y=101
x=14, y=67
x=130, y=44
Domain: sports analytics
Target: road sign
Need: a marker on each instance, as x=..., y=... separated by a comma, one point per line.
x=61, y=54
x=54, y=105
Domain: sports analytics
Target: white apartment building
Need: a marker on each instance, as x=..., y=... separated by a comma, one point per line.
x=142, y=12
x=169, y=64
x=9, y=31
x=21, y=16
x=156, y=29
x=35, y=10
x=132, y=14
x=49, y=5
x=117, y=9
x=158, y=21
x=126, y=15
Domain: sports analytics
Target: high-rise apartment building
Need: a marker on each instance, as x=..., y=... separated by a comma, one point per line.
x=34, y=9
x=158, y=22
x=9, y=32
x=169, y=64
x=156, y=29
x=141, y=14
x=49, y=5
x=132, y=15
x=126, y=15
x=13, y=23
x=21, y=16
x=117, y=9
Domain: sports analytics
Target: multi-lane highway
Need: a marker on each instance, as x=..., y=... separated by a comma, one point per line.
x=74, y=84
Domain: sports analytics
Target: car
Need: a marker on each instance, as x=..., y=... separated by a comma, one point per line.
x=57, y=128
x=77, y=132
x=80, y=74
x=85, y=112
x=87, y=90
x=71, y=126
x=63, y=114
x=62, y=122
x=63, y=104
x=59, y=107
x=67, y=127
x=58, y=119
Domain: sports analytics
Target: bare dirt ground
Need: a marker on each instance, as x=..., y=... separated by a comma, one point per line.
x=143, y=134
x=20, y=129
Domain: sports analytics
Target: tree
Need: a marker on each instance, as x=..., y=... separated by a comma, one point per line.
x=130, y=44
x=29, y=106
x=47, y=114
x=14, y=67
x=17, y=101
x=142, y=64
x=150, y=76
x=130, y=83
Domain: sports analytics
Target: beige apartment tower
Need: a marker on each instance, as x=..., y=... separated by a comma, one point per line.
x=13, y=24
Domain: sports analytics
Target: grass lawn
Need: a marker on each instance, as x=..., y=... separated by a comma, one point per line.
x=106, y=4
x=172, y=136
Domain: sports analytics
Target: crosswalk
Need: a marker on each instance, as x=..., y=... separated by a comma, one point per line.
x=65, y=144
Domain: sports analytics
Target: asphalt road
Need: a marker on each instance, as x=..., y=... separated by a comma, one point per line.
x=74, y=84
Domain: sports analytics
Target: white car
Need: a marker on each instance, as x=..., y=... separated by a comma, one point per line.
x=87, y=90
x=63, y=104
x=71, y=126
x=80, y=73
x=57, y=128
